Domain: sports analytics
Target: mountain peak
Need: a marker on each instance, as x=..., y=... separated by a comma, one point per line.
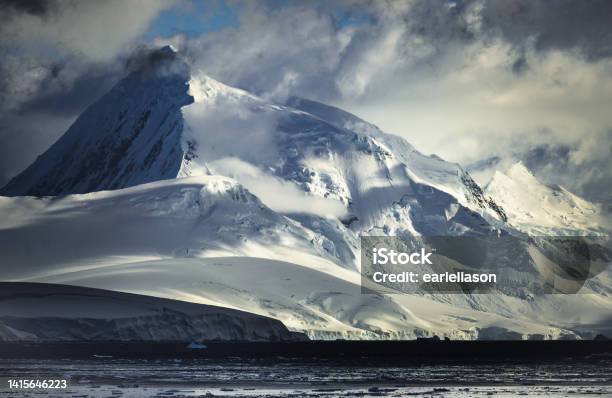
x=518, y=171
x=130, y=136
x=516, y=174
x=538, y=208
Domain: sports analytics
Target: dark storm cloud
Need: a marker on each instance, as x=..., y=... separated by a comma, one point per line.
x=34, y=7
x=440, y=20
x=158, y=60
x=94, y=29
x=50, y=47
x=566, y=25
x=72, y=97
x=520, y=66
x=148, y=57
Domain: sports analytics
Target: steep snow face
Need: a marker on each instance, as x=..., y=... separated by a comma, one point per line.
x=426, y=175
x=385, y=185
x=45, y=312
x=132, y=135
x=429, y=170
x=540, y=209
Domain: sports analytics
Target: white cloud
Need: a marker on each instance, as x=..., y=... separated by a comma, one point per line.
x=280, y=195
x=472, y=105
x=455, y=79
x=229, y=125
x=272, y=50
x=56, y=57
x=98, y=30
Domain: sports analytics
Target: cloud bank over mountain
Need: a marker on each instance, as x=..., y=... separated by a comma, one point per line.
x=467, y=80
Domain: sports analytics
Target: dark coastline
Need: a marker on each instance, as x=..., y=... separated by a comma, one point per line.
x=339, y=350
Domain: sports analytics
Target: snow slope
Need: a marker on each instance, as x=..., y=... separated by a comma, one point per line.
x=365, y=170
x=318, y=303
x=189, y=217
x=50, y=312
x=207, y=240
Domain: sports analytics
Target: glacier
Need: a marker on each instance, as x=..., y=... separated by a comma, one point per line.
x=53, y=312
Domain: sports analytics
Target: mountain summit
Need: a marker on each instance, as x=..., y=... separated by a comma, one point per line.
x=162, y=121
x=130, y=136
x=541, y=209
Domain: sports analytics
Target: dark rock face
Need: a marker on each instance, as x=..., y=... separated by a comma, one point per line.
x=480, y=198
x=132, y=135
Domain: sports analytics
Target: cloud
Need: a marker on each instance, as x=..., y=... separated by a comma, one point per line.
x=273, y=51
x=325, y=50
x=233, y=125
x=280, y=195
x=98, y=30
x=51, y=43
x=464, y=79
x=49, y=47
x=567, y=25
x=480, y=100
x=581, y=166
x=56, y=58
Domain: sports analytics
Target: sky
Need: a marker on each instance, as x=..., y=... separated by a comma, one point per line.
x=476, y=82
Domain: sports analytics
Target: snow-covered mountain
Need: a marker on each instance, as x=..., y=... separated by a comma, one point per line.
x=190, y=189
x=540, y=209
x=145, y=130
